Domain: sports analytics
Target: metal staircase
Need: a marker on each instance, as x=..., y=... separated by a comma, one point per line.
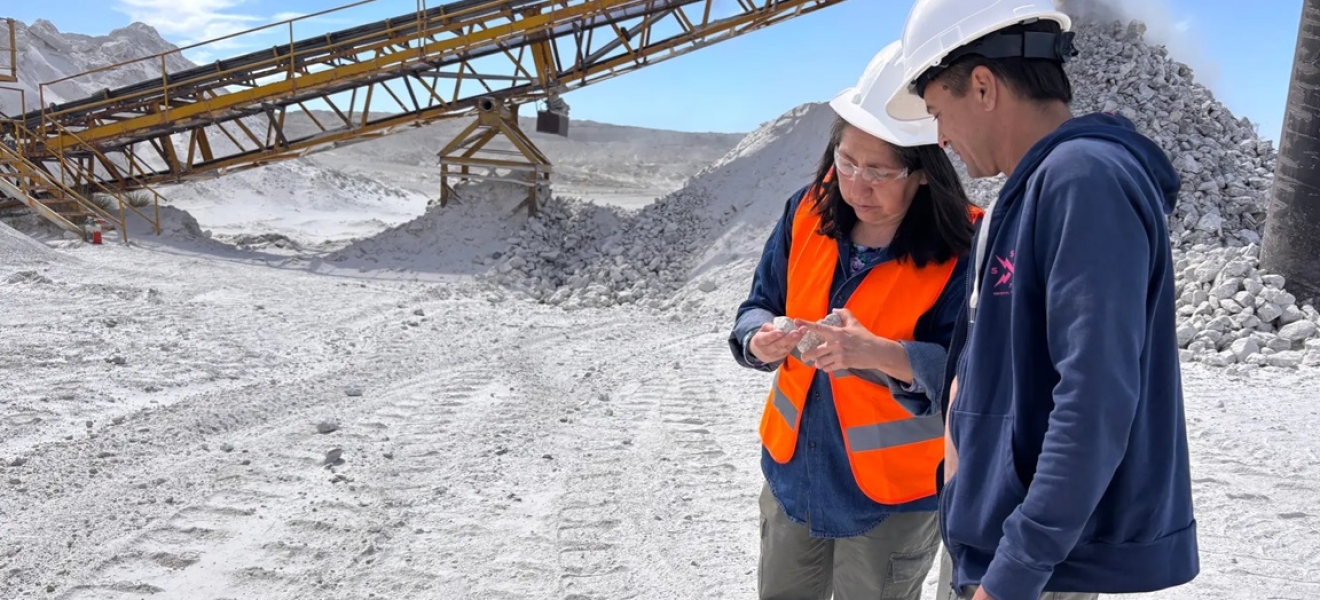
x=62, y=199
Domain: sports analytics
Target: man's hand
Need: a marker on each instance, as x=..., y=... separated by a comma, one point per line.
x=770, y=345
x=850, y=346
x=981, y=594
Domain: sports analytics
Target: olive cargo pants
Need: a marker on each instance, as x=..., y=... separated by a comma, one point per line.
x=889, y=562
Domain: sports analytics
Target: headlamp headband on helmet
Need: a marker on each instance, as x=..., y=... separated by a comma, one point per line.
x=1057, y=47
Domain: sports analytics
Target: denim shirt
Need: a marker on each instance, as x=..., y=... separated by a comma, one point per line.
x=816, y=488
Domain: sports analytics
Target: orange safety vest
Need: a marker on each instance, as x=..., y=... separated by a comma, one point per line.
x=893, y=453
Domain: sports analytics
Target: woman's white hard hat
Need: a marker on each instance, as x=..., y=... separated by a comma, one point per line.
x=863, y=105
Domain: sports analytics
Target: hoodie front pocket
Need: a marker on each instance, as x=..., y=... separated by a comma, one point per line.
x=988, y=488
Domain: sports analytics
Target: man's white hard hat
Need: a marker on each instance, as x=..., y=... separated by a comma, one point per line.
x=936, y=28
x=863, y=105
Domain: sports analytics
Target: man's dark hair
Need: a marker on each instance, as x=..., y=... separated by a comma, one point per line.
x=937, y=226
x=1036, y=79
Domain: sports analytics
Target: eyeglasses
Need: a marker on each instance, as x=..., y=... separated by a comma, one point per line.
x=849, y=169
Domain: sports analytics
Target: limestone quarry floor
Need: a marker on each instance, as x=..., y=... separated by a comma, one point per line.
x=166, y=419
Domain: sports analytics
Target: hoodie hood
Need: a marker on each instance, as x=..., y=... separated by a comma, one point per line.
x=1112, y=128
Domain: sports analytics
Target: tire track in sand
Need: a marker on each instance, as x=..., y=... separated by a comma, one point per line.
x=283, y=528
x=441, y=472
x=663, y=452
x=706, y=466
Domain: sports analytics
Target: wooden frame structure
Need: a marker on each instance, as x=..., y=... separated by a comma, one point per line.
x=524, y=165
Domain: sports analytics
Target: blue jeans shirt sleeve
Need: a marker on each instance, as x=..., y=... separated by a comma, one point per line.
x=927, y=361
x=748, y=324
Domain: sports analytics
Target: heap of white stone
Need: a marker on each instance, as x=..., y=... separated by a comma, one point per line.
x=1231, y=313
x=1226, y=168
x=577, y=254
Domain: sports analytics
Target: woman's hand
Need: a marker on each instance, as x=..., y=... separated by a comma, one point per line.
x=770, y=345
x=851, y=346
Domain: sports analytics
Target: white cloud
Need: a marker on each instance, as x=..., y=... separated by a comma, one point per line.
x=1175, y=29
x=190, y=21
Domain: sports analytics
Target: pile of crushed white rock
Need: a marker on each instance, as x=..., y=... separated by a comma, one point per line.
x=576, y=254
x=1231, y=313
x=1226, y=168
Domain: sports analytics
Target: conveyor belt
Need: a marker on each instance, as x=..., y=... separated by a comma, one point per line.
x=364, y=34
x=374, y=78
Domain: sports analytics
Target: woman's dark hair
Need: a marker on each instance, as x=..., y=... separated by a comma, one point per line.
x=936, y=227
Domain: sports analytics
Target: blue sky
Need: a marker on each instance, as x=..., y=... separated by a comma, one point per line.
x=1244, y=56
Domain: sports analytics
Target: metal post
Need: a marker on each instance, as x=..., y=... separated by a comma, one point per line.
x=123, y=219
x=293, y=72
x=13, y=55
x=165, y=82
x=41, y=98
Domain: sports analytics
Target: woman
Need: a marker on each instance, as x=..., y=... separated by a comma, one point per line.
x=851, y=430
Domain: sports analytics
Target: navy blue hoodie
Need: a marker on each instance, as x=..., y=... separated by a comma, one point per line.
x=1073, y=469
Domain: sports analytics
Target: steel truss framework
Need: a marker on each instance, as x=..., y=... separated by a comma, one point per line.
x=367, y=81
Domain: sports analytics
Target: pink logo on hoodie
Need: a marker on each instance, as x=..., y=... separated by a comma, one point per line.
x=1002, y=272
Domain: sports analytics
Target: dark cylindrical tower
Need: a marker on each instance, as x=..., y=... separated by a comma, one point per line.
x=1292, y=233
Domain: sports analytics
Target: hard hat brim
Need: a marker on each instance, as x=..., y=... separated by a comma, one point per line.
x=876, y=127
x=906, y=105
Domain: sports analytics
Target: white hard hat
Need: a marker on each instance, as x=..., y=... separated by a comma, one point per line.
x=936, y=28
x=863, y=105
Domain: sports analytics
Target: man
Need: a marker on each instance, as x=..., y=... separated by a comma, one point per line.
x=1068, y=435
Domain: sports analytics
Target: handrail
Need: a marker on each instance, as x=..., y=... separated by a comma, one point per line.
x=210, y=41
x=21, y=187
x=128, y=175
x=420, y=21
x=74, y=195
x=420, y=25
x=13, y=54
x=22, y=101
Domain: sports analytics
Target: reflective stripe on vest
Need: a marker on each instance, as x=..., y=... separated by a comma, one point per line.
x=892, y=453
